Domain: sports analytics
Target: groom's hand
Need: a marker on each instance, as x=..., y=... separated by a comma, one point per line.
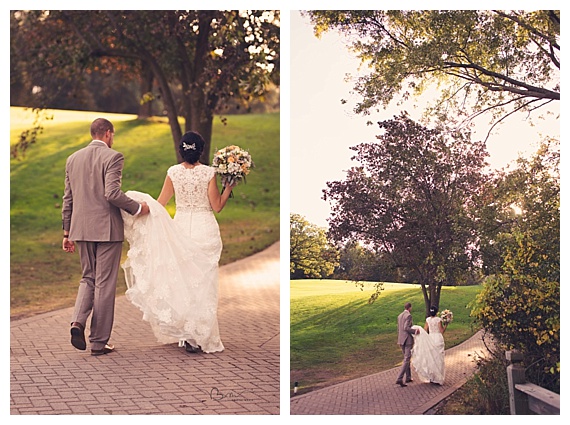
x=144, y=208
x=68, y=246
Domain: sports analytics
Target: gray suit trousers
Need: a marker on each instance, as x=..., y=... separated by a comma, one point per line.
x=100, y=263
x=406, y=370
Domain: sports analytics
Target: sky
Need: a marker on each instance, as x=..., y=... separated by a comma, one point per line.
x=322, y=129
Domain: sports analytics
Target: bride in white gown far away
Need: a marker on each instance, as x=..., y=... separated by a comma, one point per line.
x=171, y=269
x=428, y=353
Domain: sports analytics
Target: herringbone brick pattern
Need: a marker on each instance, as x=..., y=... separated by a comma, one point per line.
x=48, y=376
x=378, y=394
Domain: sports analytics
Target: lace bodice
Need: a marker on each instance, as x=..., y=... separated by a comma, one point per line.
x=191, y=186
x=433, y=323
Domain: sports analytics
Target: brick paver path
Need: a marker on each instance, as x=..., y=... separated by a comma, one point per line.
x=48, y=376
x=378, y=394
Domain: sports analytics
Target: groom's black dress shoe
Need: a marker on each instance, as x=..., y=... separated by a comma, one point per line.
x=401, y=384
x=78, y=336
x=409, y=380
x=105, y=350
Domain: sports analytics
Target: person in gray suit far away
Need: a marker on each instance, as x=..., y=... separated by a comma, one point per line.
x=92, y=223
x=406, y=342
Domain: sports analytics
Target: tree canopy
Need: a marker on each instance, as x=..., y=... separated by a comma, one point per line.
x=413, y=196
x=520, y=302
x=311, y=254
x=482, y=60
x=208, y=56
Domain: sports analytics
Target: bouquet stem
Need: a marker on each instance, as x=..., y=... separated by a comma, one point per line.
x=228, y=180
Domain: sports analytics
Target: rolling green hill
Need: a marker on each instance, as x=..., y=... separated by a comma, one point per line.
x=336, y=335
x=42, y=276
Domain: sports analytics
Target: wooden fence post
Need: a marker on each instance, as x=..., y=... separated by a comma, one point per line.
x=515, y=374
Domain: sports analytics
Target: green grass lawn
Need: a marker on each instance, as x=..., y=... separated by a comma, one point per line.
x=336, y=335
x=42, y=276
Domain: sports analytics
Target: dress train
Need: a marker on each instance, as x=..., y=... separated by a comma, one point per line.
x=428, y=356
x=169, y=279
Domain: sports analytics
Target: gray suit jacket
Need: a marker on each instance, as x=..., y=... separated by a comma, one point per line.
x=93, y=198
x=405, y=330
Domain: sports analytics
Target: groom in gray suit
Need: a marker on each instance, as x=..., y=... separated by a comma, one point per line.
x=406, y=342
x=92, y=222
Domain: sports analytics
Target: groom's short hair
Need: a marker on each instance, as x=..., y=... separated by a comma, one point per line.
x=100, y=126
x=407, y=306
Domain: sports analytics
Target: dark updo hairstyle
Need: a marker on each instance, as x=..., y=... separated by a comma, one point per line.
x=432, y=311
x=191, y=147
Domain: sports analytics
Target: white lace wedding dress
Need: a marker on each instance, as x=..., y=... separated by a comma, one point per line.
x=171, y=269
x=428, y=353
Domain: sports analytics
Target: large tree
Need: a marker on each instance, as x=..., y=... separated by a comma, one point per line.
x=481, y=60
x=311, y=253
x=413, y=196
x=208, y=56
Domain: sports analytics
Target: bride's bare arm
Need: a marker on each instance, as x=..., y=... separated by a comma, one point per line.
x=166, y=192
x=217, y=200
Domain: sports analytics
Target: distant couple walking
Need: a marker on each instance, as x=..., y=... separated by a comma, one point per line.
x=424, y=348
x=172, y=265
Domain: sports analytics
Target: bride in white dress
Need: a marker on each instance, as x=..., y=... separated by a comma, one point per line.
x=171, y=269
x=428, y=353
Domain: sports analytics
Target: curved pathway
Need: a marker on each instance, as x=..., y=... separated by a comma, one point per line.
x=378, y=394
x=48, y=376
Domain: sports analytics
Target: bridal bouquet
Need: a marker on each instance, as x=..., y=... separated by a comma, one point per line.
x=446, y=317
x=233, y=164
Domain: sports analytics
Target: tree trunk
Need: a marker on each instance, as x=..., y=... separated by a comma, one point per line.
x=196, y=112
x=434, y=291
x=206, y=130
x=145, y=109
x=201, y=121
x=169, y=104
x=431, y=291
x=426, y=297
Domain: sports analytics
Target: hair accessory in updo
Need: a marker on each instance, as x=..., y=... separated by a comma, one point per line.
x=191, y=147
x=187, y=146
